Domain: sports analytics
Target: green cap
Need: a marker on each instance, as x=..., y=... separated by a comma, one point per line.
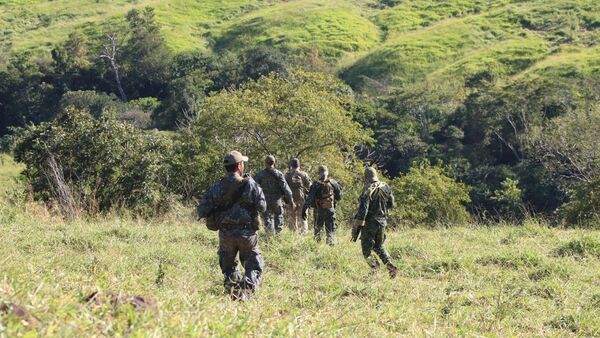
x=270, y=159
x=234, y=157
x=371, y=174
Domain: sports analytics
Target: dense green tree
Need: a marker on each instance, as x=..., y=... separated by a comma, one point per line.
x=427, y=195
x=26, y=95
x=145, y=56
x=304, y=115
x=101, y=162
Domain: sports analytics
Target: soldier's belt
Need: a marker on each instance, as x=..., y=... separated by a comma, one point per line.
x=236, y=226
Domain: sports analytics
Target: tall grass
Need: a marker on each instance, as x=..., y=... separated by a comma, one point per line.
x=504, y=281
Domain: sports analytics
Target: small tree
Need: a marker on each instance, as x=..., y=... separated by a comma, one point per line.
x=509, y=198
x=584, y=206
x=303, y=115
x=426, y=195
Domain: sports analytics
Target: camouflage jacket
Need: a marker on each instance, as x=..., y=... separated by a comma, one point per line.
x=314, y=191
x=274, y=186
x=238, y=215
x=374, y=202
x=299, y=183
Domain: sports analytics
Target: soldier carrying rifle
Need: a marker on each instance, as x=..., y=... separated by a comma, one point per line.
x=371, y=219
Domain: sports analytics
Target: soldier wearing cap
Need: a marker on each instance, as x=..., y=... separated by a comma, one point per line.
x=231, y=206
x=371, y=219
x=276, y=192
x=299, y=183
x=323, y=196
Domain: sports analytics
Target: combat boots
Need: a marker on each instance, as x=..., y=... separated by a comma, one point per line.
x=392, y=269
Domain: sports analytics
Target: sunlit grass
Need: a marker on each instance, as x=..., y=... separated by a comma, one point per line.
x=491, y=281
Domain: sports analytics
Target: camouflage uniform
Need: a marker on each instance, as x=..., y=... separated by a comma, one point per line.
x=374, y=203
x=324, y=217
x=236, y=230
x=276, y=192
x=299, y=183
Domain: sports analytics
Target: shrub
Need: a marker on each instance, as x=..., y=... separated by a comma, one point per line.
x=583, y=207
x=509, y=198
x=427, y=195
x=99, y=163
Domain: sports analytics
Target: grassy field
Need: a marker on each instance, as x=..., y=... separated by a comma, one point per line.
x=528, y=280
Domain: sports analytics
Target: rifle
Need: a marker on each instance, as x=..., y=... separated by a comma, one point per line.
x=356, y=232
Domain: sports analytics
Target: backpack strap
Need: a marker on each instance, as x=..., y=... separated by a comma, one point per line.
x=231, y=196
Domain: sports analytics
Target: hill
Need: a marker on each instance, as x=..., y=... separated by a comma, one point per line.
x=391, y=42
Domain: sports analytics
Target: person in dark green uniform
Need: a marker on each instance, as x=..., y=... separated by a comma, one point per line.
x=371, y=219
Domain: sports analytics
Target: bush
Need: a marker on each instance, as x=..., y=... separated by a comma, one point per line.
x=426, y=195
x=583, y=207
x=98, y=164
x=509, y=198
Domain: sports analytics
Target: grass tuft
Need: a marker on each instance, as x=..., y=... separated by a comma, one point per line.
x=580, y=248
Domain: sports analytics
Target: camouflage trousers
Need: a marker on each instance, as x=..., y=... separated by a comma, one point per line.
x=371, y=239
x=274, y=219
x=294, y=219
x=246, y=245
x=325, y=220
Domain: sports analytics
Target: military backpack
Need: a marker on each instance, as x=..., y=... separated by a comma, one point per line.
x=325, y=195
x=233, y=193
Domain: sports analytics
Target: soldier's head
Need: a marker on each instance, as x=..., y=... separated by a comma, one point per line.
x=295, y=163
x=323, y=172
x=234, y=162
x=371, y=175
x=270, y=161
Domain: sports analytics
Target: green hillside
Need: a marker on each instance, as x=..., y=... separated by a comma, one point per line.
x=393, y=42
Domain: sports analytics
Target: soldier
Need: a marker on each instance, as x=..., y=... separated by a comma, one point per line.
x=231, y=206
x=371, y=219
x=323, y=196
x=299, y=183
x=276, y=192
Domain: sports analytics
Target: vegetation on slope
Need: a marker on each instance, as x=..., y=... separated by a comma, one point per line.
x=331, y=28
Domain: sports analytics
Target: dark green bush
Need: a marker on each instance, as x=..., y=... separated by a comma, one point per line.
x=583, y=208
x=104, y=163
x=426, y=195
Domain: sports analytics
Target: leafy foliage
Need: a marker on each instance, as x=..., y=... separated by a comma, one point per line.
x=427, y=195
x=107, y=164
x=301, y=114
x=583, y=207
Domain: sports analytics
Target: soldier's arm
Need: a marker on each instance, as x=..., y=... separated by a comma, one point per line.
x=260, y=203
x=206, y=204
x=337, y=190
x=363, y=207
x=392, y=200
x=306, y=181
x=310, y=197
x=258, y=177
x=285, y=188
x=309, y=201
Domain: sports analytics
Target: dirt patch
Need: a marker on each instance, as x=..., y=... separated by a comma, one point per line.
x=118, y=299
